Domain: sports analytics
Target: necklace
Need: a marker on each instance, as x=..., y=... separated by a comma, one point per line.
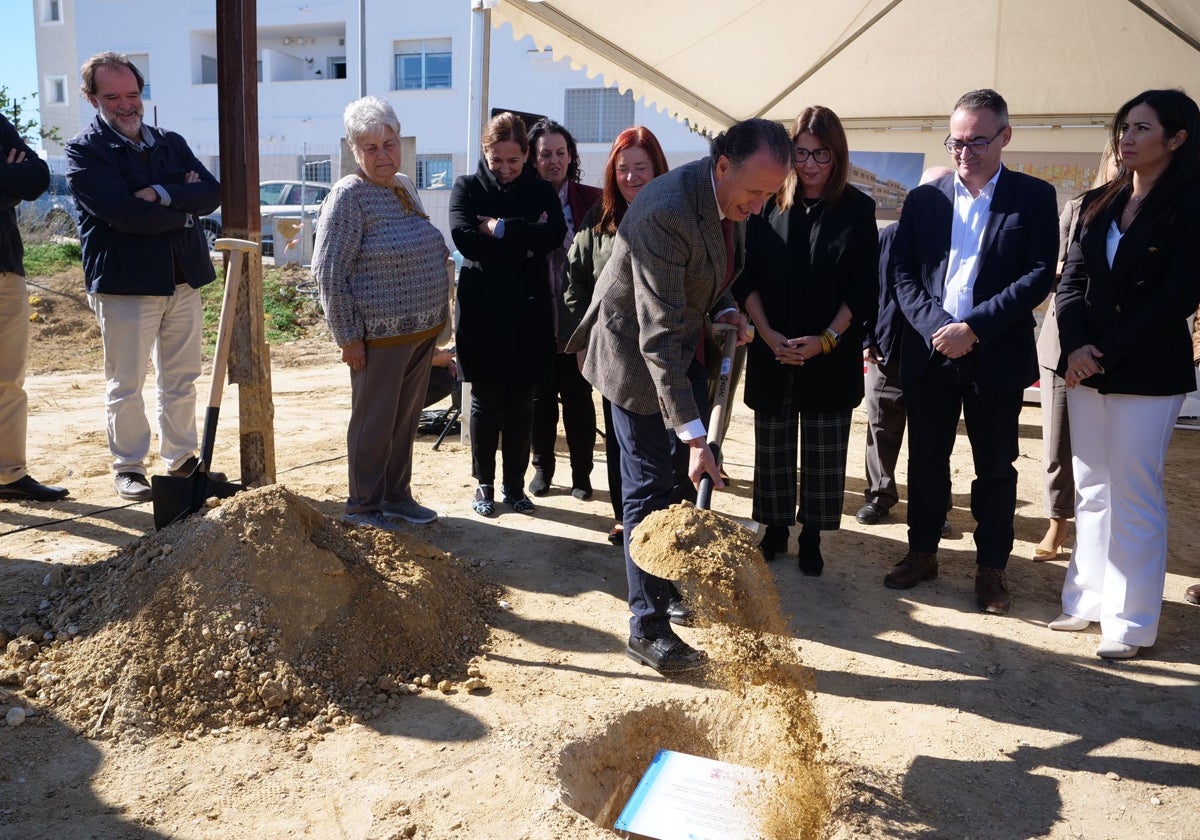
x=810, y=204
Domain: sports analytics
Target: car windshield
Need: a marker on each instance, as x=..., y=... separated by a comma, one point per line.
x=271, y=193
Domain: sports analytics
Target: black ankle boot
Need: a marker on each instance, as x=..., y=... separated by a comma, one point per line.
x=808, y=552
x=774, y=541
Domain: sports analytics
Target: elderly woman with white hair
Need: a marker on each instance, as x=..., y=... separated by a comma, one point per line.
x=380, y=266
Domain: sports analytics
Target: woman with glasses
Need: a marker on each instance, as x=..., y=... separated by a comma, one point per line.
x=1129, y=285
x=811, y=279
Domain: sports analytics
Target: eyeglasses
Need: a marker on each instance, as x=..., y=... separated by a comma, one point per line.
x=977, y=147
x=821, y=156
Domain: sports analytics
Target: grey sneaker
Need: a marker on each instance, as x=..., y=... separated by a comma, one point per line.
x=372, y=518
x=132, y=486
x=409, y=511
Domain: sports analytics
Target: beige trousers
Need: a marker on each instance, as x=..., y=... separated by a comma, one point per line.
x=14, y=405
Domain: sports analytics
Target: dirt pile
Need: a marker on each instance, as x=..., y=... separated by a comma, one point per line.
x=263, y=612
x=722, y=574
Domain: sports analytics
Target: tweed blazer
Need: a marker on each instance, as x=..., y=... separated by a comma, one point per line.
x=1135, y=311
x=652, y=301
x=1016, y=271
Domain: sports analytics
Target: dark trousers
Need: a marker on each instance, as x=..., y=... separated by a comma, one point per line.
x=885, y=431
x=501, y=407
x=578, y=416
x=653, y=476
x=612, y=457
x=944, y=391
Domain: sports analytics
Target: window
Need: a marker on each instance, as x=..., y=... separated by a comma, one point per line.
x=335, y=67
x=435, y=172
x=208, y=70
x=56, y=90
x=52, y=11
x=597, y=115
x=422, y=65
x=142, y=62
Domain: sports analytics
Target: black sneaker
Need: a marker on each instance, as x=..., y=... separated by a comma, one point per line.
x=132, y=486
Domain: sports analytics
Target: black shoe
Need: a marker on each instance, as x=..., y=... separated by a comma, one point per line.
x=946, y=528
x=517, y=500
x=132, y=486
x=667, y=655
x=680, y=613
x=808, y=553
x=188, y=467
x=27, y=489
x=582, y=490
x=617, y=535
x=774, y=540
x=870, y=514
x=540, y=485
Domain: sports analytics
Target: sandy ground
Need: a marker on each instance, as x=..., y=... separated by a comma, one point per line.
x=939, y=721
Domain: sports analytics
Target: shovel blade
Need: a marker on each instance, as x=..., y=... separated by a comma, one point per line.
x=176, y=497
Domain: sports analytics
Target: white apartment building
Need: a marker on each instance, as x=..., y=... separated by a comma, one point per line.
x=417, y=55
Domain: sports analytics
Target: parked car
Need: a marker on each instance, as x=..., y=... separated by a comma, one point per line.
x=277, y=198
x=54, y=210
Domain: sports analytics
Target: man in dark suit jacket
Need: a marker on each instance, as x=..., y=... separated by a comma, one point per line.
x=885, y=394
x=973, y=255
x=678, y=249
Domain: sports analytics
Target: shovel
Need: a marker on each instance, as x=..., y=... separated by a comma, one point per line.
x=716, y=420
x=175, y=497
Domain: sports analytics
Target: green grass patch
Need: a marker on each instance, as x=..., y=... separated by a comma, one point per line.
x=287, y=312
x=47, y=258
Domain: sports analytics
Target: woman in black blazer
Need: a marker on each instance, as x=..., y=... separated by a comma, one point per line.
x=504, y=220
x=1127, y=290
x=811, y=279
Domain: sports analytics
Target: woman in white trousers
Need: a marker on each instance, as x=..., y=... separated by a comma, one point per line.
x=1130, y=283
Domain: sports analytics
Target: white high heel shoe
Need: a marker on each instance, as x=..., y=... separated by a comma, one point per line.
x=1069, y=623
x=1116, y=650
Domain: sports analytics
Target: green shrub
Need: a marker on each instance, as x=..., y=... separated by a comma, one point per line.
x=287, y=312
x=46, y=258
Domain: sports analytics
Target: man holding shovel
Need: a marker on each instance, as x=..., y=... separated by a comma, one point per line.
x=678, y=249
x=139, y=191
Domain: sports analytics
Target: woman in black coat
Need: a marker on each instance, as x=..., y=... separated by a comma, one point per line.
x=504, y=221
x=1127, y=290
x=811, y=279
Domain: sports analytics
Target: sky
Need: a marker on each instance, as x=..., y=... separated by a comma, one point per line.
x=18, y=59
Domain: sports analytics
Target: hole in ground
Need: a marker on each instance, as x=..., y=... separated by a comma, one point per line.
x=599, y=773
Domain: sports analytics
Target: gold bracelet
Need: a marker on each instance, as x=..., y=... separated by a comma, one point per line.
x=829, y=340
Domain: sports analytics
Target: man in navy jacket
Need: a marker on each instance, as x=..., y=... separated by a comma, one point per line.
x=973, y=255
x=23, y=177
x=139, y=191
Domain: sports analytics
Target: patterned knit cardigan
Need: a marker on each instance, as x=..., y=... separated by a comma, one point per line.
x=380, y=271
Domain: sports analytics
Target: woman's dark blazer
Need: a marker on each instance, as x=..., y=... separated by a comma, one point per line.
x=844, y=248
x=505, y=315
x=1135, y=312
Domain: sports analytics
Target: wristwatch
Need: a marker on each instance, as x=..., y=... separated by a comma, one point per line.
x=837, y=336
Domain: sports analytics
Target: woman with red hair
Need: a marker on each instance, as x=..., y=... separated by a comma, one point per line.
x=636, y=158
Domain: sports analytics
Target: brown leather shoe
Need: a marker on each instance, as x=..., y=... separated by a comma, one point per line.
x=991, y=590
x=1192, y=595
x=914, y=568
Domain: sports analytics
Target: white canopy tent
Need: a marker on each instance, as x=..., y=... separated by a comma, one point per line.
x=891, y=69
x=878, y=63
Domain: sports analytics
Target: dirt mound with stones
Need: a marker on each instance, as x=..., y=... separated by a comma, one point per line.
x=263, y=612
x=722, y=575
